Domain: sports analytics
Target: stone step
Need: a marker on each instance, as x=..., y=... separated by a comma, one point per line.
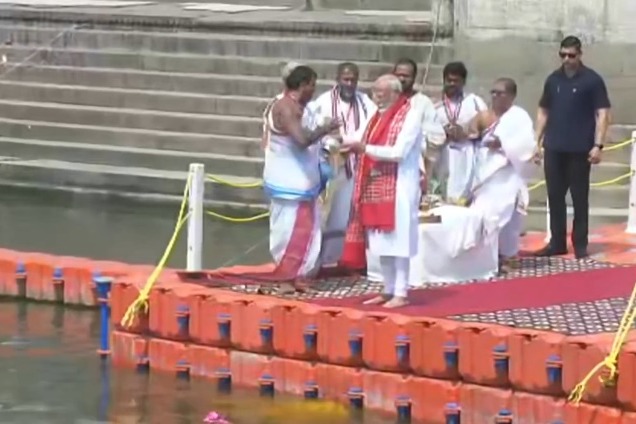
x=613, y=196
x=602, y=172
x=132, y=118
x=54, y=174
x=134, y=99
x=618, y=155
x=189, y=63
x=621, y=131
x=230, y=85
x=130, y=137
x=210, y=43
x=536, y=219
x=130, y=157
x=407, y=5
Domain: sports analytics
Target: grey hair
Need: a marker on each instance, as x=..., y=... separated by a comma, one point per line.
x=288, y=68
x=392, y=81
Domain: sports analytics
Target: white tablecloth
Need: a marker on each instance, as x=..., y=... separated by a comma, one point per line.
x=462, y=247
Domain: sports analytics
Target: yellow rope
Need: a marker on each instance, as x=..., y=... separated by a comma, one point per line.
x=611, y=360
x=612, y=181
x=537, y=185
x=619, y=145
x=141, y=303
x=219, y=180
x=602, y=183
x=238, y=220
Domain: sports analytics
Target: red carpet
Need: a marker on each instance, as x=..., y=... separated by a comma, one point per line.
x=520, y=293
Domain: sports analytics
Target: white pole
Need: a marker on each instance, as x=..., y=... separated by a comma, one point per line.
x=548, y=234
x=631, y=210
x=195, y=219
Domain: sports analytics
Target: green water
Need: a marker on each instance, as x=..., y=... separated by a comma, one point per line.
x=129, y=231
x=50, y=373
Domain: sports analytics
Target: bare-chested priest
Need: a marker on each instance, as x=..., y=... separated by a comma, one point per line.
x=292, y=179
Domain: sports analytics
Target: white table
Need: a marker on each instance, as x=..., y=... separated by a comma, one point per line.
x=462, y=247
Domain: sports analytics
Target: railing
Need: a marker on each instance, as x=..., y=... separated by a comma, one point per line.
x=631, y=211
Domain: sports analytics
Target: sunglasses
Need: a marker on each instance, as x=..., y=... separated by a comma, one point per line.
x=563, y=55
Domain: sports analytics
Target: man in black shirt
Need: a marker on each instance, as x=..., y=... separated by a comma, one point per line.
x=572, y=121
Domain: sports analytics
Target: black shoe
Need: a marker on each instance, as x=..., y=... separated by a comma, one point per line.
x=550, y=251
x=580, y=253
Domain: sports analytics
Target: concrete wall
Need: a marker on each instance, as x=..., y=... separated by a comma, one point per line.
x=519, y=38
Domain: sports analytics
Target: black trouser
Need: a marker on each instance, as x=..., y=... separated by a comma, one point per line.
x=567, y=171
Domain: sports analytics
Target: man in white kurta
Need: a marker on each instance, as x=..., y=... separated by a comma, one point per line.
x=451, y=158
x=432, y=132
x=353, y=109
x=504, y=165
x=387, y=192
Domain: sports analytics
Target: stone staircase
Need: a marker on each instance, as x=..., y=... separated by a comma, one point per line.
x=121, y=109
x=124, y=105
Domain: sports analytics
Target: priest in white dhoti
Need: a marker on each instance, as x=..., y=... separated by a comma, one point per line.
x=504, y=165
x=466, y=244
x=292, y=179
x=387, y=192
x=353, y=108
x=450, y=159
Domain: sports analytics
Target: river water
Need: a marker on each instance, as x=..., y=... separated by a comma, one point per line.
x=50, y=373
x=49, y=369
x=129, y=231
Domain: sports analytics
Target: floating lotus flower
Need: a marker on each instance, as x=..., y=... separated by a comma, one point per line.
x=214, y=417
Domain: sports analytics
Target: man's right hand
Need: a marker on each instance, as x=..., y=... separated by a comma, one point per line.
x=537, y=157
x=332, y=124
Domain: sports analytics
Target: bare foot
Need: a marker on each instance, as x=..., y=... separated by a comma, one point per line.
x=285, y=288
x=396, y=302
x=378, y=300
x=507, y=265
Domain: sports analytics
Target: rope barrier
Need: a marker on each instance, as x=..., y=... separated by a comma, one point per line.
x=238, y=220
x=219, y=180
x=601, y=183
x=608, y=367
x=610, y=362
x=141, y=303
x=257, y=184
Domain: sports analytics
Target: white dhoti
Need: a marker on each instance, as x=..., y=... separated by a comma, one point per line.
x=462, y=247
x=338, y=218
x=510, y=236
x=500, y=190
x=354, y=115
x=460, y=162
x=295, y=237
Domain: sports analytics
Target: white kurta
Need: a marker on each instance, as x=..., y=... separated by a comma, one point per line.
x=457, y=158
x=341, y=187
x=500, y=189
x=432, y=131
x=402, y=242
